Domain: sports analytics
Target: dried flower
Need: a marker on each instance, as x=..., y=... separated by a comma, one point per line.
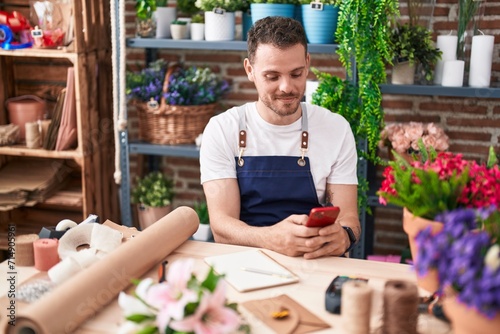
x=404, y=137
x=181, y=304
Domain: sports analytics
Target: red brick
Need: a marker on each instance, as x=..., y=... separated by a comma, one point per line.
x=412, y=118
x=466, y=135
x=397, y=104
x=474, y=122
x=220, y=58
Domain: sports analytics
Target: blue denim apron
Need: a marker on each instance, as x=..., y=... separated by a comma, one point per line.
x=274, y=187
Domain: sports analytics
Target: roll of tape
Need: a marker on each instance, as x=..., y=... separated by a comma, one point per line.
x=65, y=225
x=25, y=255
x=46, y=255
x=73, y=239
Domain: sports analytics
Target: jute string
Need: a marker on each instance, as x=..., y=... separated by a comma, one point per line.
x=356, y=304
x=33, y=135
x=400, y=308
x=24, y=249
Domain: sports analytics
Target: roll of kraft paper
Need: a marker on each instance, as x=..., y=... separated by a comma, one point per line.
x=83, y=295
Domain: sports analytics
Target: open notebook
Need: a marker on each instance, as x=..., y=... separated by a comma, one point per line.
x=251, y=270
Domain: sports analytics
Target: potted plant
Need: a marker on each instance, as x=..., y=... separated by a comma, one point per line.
x=146, y=24
x=219, y=18
x=164, y=15
x=153, y=195
x=412, y=46
x=179, y=29
x=197, y=27
x=204, y=233
x=466, y=256
x=320, y=20
x=146, y=84
x=264, y=8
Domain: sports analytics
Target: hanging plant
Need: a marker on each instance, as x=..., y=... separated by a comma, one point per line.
x=363, y=36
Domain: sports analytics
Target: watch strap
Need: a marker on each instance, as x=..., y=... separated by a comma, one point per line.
x=352, y=238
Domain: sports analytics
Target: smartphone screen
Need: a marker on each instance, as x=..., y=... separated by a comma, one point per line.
x=323, y=216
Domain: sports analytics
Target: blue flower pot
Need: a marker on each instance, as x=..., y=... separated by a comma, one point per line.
x=261, y=10
x=320, y=25
x=246, y=21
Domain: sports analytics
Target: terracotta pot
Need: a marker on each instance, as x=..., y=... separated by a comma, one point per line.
x=412, y=225
x=466, y=320
x=25, y=109
x=149, y=215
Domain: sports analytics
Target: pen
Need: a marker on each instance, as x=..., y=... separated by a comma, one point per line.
x=265, y=272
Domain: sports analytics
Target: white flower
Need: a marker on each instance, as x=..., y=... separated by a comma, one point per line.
x=492, y=258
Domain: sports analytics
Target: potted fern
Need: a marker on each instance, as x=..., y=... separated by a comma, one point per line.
x=153, y=195
x=204, y=232
x=145, y=20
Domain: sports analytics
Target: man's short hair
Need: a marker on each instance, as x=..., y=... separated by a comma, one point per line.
x=281, y=32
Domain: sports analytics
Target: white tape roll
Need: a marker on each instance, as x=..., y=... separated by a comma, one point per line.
x=73, y=239
x=63, y=270
x=65, y=225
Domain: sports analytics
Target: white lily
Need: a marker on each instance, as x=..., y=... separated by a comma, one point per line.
x=492, y=258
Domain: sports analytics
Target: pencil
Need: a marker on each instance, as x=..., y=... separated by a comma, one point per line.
x=265, y=272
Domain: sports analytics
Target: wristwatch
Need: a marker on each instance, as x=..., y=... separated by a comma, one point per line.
x=352, y=237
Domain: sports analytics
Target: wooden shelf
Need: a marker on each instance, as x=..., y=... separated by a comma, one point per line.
x=65, y=53
x=23, y=151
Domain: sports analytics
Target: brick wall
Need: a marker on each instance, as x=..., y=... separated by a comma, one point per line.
x=473, y=124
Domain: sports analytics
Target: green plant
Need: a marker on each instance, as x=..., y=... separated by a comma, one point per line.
x=187, y=7
x=202, y=211
x=325, y=2
x=363, y=37
x=210, y=5
x=148, y=83
x=161, y=3
x=198, y=18
x=414, y=44
x=154, y=190
x=179, y=22
x=144, y=9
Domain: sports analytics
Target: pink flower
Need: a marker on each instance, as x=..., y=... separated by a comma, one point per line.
x=211, y=316
x=404, y=137
x=414, y=131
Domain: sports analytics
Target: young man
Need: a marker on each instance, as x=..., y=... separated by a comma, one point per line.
x=266, y=164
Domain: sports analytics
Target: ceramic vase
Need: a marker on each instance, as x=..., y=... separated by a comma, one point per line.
x=164, y=16
x=466, y=320
x=197, y=31
x=149, y=215
x=219, y=26
x=412, y=225
x=261, y=10
x=320, y=25
x=178, y=31
x=403, y=73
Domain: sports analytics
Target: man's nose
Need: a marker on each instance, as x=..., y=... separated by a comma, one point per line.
x=285, y=84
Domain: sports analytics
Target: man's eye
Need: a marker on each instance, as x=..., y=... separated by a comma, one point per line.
x=296, y=75
x=271, y=78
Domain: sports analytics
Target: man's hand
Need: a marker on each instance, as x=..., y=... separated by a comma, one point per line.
x=332, y=240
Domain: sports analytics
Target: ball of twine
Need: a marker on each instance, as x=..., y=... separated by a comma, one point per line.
x=24, y=249
x=400, y=307
x=356, y=303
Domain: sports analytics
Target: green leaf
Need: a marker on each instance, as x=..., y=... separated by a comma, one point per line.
x=138, y=318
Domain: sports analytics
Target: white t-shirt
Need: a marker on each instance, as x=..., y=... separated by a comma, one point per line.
x=332, y=149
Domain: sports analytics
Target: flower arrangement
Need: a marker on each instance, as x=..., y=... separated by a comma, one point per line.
x=148, y=83
x=181, y=304
x=404, y=137
x=466, y=254
x=195, y=86
x=440, y=182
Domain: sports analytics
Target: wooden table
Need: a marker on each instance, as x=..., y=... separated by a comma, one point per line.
x=315, y=276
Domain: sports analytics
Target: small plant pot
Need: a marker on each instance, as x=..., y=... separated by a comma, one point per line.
x=149, y=215
x=403, y=73
x=197, y=31
x=178, y=31
x=146, y=28
x=204, y=233
x=164, y=16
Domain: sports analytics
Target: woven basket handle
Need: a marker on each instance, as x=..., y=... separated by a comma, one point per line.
x=170, y=70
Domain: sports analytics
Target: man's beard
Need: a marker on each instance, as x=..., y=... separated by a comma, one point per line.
x=286, y=109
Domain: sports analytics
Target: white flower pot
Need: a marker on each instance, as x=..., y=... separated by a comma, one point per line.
x=187, y=34
x=178, y=31
x=219, y=27
x=204, y=233
x=164, y=16
x=197, y=31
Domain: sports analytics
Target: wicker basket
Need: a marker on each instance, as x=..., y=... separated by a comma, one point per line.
x=172, y=124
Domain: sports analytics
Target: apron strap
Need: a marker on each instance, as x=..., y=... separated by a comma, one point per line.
x=304, y=140
x=242, y=136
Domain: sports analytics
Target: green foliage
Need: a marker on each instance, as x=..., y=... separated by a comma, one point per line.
x=202, y=211
x=414, y=44
x=492, y=158
x=227, y=5
x=161, y=3
x=179, y=22
x=198, y=18
x=187, y=7
x=154, y=190
x=145, y=8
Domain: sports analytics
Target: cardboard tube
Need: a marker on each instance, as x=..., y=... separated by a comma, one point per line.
x=84, y=295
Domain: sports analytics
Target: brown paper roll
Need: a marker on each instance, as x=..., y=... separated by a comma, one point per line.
x=25, y=255
x=82, y=296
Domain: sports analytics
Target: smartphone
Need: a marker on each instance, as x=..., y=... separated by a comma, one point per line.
x=323, y=216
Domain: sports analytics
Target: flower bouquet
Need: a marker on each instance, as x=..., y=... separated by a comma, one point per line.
x=181, y=304
x=466, y=255
x=179, y=108
x=404, y=137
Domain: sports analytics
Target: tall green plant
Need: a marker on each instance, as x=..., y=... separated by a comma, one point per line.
x=363, y=34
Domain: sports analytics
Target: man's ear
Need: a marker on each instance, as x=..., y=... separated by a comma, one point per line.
x=248, y=69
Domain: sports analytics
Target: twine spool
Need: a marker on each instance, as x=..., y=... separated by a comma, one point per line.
x=400, y=308
x=46, y=255
x=33, y=135
x=24, y=249
x=356, y=301
x=44, y=126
